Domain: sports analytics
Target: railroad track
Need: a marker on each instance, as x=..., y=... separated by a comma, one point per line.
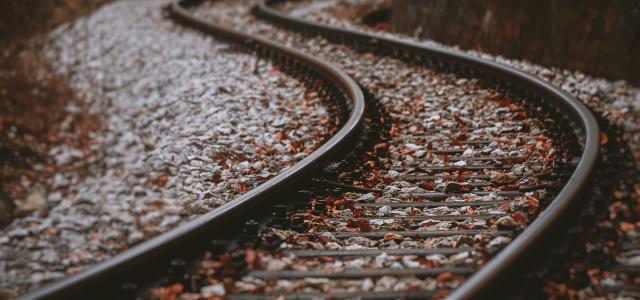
x=394, y=205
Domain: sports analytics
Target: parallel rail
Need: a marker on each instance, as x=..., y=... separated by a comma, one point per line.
x=506, y=79
x=79, y=285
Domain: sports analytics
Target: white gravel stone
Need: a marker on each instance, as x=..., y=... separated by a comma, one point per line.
x=460, y=163
x=185, y=119
x=215, y=289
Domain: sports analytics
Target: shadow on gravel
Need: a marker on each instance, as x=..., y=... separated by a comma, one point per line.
x=584, y=253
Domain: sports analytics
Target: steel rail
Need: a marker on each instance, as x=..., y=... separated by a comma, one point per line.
x=81, y=284
x=500, y=267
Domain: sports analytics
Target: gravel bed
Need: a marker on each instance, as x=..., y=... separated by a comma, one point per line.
x=420, y=102
x=617, y=101
x=189, y=124
x=612, y=234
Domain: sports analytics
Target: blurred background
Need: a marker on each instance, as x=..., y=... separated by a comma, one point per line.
x=600, y=38
x=23, y=18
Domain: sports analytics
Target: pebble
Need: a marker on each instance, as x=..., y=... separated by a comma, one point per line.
x=215, y=289
x=378, y=73
x=507, y=222
x=175, y=105
x=498, y=241
x=617, y=101
x=460, y=163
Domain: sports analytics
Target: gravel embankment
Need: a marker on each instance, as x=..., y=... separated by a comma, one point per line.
x=425, y=109
x=601, y=257
x=608, y=241
x=189, y=124
x=617, y=101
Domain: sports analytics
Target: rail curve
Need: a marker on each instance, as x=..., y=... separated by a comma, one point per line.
x=513, y=256
x=78, y=285
x=507, y=261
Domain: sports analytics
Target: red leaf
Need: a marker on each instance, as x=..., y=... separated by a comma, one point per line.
x=518, y=217
x=448, y=276
x=440, y=294
x=625, y=226
x=428, y=185
x=252, y=258
x=533, y=202
x=160, y=181
x=393, y=236
x=364, y=225
x=604, y=138
x=215, y=178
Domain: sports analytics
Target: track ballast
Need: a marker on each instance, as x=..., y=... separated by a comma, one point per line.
x=454, y=219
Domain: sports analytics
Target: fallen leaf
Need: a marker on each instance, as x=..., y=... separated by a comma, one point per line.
x=518, y=217
x=294, y=146
x=161, y=181
x=393, y=236
x=167, y=293
x=440, y=294
x=448, y=276
x=604, y=138
x=215, y=177
x=251, y=257
x=459, y=120
x=428, y=184
x=626, y=226
x=364, y=225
